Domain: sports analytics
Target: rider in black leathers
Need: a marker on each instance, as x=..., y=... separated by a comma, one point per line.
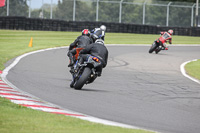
x=98, y=50
x=81, y=42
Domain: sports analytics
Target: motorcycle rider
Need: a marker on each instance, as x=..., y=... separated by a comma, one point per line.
x=165, y=36
x=80, y=42
x=97, y=49
x=99, y=31
x=103, y=27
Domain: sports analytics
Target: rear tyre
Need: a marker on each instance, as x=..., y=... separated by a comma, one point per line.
x=72, y=84
x=83, y=78
x=153, y=47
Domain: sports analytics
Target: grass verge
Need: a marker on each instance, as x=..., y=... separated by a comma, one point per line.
x=193, y=69
x=18, y=119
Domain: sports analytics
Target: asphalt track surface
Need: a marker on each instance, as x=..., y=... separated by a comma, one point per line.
x=136, y=88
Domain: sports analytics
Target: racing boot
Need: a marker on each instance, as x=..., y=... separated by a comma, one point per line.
x=98, y=74
x=71, y=63
x=99, y=71
x=72, y=70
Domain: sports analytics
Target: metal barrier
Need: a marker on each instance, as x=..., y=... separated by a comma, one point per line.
x=23, y=23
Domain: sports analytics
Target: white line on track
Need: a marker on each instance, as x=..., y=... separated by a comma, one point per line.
x=182, y=68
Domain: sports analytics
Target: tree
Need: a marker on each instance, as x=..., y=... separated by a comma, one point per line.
x=180, y=16
x=46, y=11
x=85, y=11
x=108, y=12
x=64, y=10
x=132, y=13
x=16, y=8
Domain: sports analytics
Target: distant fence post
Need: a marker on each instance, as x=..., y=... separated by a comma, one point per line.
x=197, y=12
x=192, y=14
x=167, y=21
x=74, y=10
x=29, y=14
x=51, y=9
x=42, y=14
x=143, y=20
x=120, y=11
x=97, y=11
x=7, y=7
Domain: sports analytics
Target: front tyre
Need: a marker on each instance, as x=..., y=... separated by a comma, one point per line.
x=158, y=49
x=153, y=47
x=83, y=78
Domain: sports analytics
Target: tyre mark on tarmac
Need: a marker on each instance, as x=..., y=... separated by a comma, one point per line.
x=118, y=62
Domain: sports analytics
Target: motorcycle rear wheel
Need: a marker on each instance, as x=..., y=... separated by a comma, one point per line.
x=83, y=78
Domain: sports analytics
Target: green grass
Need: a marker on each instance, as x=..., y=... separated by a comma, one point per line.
x=15, y=118
x=18, y=119
x=193, y=69
x=15, y=42
x=127, y=38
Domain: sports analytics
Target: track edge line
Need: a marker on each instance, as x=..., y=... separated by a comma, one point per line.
x=182, y=68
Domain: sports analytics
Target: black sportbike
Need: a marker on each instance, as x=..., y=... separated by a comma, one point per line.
x=84, y=73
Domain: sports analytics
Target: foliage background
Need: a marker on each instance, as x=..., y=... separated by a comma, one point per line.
x=132, y=11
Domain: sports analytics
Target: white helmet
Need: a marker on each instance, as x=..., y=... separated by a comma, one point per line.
x=100, y=41
x=170, y=31
x=103, y=27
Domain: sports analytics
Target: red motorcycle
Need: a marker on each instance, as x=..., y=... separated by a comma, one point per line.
x=157, y=47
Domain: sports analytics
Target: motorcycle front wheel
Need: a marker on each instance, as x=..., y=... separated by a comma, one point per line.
x=82, y=79
x=153, y=47
x=158, y=49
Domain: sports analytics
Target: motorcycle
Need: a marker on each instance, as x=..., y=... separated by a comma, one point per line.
x=156, y=47
x=84, y=73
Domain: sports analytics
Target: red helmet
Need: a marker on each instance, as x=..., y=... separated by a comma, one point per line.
x=170, y=32
x=86, y=32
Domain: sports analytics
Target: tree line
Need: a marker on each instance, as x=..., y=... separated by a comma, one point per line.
x=108, y=12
